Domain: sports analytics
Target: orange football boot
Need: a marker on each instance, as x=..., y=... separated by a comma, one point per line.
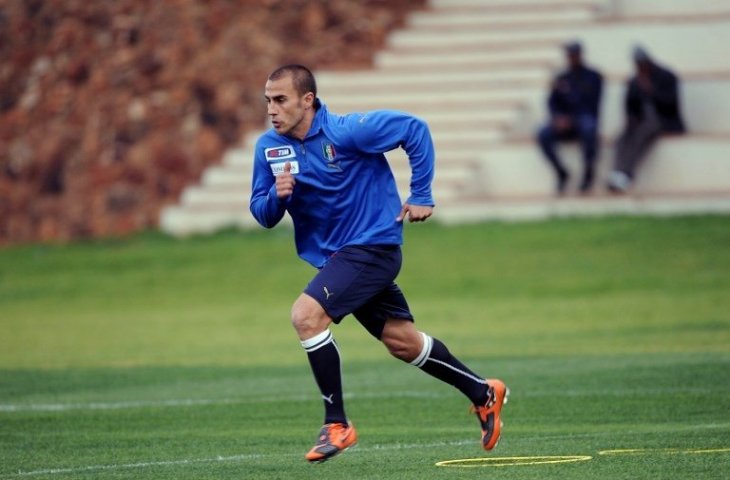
x=488, y=414
x=333, y=439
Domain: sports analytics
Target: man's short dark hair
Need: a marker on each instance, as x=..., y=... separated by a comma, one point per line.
x=302, y=78
x=573, y=47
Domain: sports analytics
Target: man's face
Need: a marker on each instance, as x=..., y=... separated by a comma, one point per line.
x=289, y=112
x=575, y=59
x=643, y=67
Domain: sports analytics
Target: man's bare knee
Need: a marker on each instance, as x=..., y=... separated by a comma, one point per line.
x=402, y=339
x=308, y=317
x=401, y=351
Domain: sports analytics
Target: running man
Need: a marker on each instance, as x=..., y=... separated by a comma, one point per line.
x=329, y=172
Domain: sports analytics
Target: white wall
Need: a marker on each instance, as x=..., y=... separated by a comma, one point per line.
x=669, y=7
x=693, y=47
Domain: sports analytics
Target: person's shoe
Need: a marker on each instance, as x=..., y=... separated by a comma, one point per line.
x=587, y=183
x=333, y=438
x=489, y=413
x=562, y=184
x=618, y=182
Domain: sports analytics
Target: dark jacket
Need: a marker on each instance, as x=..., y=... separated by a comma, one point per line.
x=576, y=92
x=664, y=97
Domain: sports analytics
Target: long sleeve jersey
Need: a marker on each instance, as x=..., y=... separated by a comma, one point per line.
x=345, y=192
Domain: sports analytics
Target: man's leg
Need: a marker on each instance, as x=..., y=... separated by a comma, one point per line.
x=618, y=180
x=587, y=127
x=631, y=148
x=311, y=323
x=642, y=139
x=347, y=282
x=406, y=343
x=429, y=354
x=546, y=139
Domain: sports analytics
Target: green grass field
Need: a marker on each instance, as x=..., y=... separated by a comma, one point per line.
x=157, y=358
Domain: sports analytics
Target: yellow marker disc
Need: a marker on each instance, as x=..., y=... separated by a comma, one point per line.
x=666, y=451
x=512, y=461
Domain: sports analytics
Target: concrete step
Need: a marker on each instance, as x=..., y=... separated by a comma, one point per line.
x=508, y=66
x=491, y=17
x=241, y=157
x=514, y=4
x=227, y=176
x=509, y=84
x=546, y=54
x=676, y=165
x=183, y=221
x=487, y=106
x=217, y=196
x=491, y=115
x=488, y=34
x=488, y=39
x=548, y=206
x=445, y=161
x=335, y=82
x=457, y=47
x=673, y=8
x=508, y=96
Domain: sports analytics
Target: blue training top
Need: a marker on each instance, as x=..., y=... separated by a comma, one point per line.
x=345, y=192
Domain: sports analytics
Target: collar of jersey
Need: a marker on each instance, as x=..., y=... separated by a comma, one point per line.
x=317, y=121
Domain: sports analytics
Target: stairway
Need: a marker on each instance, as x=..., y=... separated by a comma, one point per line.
x=477, y=72
x=461, y=65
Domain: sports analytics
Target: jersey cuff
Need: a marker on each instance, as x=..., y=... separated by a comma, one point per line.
x=421, y=201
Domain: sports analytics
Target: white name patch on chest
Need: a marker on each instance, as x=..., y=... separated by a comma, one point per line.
x=277, y=168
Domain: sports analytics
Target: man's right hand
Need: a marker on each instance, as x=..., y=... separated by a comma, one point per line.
x=562, y=123
x=285, y=182
x=644, y=83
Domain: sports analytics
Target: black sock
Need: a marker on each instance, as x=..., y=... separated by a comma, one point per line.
x=324, y=358
x=436, y=360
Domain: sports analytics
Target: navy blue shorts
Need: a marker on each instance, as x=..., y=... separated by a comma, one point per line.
x=359, y=279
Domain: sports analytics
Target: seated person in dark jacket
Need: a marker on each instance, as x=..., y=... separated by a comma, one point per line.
x=652, y=109
x=574, y=108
